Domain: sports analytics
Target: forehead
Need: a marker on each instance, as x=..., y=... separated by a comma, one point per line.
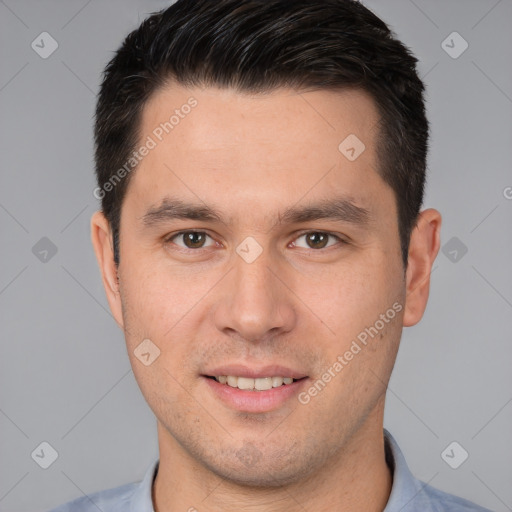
x=226, y=117
x=279, y=145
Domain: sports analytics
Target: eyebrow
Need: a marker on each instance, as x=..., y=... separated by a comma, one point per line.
x=337, y=209
x=171, y=209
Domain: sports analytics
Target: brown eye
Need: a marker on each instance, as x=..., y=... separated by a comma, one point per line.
x=191, y=239
x=317, y=240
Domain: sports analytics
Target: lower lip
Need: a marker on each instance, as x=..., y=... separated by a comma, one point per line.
x=255, y=401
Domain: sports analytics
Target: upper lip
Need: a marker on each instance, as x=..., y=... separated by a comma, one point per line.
x=240, y=370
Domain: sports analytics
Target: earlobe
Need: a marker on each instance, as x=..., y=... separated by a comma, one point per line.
x=101, y=238
x=423, y=248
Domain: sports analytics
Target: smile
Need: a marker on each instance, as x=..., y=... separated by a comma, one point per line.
x=255, y=395
x=259, y=384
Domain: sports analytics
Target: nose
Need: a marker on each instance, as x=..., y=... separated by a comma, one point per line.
x=255, y=304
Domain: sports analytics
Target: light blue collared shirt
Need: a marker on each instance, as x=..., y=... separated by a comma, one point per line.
x=407, y=493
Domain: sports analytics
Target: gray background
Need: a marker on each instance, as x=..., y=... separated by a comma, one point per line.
x=65, y=376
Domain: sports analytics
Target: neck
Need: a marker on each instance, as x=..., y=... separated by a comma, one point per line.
x=356, y=480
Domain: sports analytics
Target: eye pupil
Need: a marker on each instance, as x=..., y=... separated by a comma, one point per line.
x=193, y=239
x=319, y=240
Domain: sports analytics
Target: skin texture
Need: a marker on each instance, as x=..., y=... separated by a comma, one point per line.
x=299, y=305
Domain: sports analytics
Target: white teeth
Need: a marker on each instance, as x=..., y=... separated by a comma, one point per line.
x=259, y=384
x=245, y=383
x=263, y=383
x=277, y=381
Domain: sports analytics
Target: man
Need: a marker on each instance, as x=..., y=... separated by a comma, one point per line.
x=261, y=166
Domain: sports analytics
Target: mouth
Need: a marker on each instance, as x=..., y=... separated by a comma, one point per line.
x=254, y=384
x=256, y=391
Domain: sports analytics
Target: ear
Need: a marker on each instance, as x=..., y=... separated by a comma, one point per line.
x=423, y=249
x=101, y=238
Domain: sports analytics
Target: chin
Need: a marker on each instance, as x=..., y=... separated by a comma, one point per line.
x=258, y=477
x=248, y=467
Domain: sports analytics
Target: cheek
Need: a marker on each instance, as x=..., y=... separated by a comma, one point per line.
x=355, y=373
x=167, y=307
x=350, y=297
x=155, y=308
x=156, y=296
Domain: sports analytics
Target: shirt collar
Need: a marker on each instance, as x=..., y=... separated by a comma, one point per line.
x=405, y=488
x=142, y=500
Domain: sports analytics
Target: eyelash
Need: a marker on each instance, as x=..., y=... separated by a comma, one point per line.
x=170, y=239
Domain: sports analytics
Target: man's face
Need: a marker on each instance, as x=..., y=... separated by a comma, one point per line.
x=215, y=306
